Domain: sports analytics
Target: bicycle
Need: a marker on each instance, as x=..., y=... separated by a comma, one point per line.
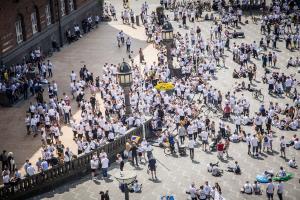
x=257, y=94
x=210, y=109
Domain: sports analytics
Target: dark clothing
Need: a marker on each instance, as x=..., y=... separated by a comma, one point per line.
x=152, y=164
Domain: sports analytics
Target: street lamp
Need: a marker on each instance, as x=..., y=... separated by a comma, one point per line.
x=125, y=178
x=124, y=77
x=167, y=37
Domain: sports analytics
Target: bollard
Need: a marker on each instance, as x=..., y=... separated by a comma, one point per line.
x=137, y=19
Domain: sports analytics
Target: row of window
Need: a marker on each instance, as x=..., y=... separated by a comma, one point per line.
x=34, y=19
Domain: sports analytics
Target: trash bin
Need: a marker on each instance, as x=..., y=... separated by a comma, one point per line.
x=181, y=150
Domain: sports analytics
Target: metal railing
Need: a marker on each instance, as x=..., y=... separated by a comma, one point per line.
x=47, y=180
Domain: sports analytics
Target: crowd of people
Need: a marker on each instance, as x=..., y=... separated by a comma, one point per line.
x=178, y=113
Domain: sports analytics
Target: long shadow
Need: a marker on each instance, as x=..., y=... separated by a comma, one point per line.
x=195, y=162
x=102, y=37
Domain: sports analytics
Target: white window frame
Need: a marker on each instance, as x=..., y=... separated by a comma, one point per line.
x=19, y=31
x=71, y=5
x=48, y=14
x=34, y=23
x=62, y=8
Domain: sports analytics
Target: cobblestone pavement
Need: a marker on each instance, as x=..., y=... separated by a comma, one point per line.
x=174, y=173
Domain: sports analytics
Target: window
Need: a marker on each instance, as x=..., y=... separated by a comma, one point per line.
x=48, y=15
x=62, y=8
x=71, y=5
x=34, y=23
x=19, y=31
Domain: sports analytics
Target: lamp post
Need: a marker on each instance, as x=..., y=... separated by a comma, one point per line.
x=167, y=37
x=124, y=77
x=125, y=178
x=58, y=6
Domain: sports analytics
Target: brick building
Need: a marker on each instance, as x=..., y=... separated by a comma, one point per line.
x=28, y=24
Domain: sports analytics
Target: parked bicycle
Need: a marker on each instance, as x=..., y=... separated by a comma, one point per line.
x=257, y=94
x=212, y=110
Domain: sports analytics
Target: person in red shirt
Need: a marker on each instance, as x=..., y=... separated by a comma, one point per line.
x=220, y=149
x=227, y=111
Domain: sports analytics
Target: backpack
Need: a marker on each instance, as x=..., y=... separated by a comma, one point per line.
x=266, y=139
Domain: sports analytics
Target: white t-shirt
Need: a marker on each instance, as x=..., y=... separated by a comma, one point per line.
x=104, y=163
x=270, y=188
x=94, y=164
x=193, y=192
x=191, y=144
x=204, y=135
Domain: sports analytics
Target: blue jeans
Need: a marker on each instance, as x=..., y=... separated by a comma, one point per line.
x=104, y=172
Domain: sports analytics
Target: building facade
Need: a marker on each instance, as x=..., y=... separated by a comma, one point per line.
x=29, y=24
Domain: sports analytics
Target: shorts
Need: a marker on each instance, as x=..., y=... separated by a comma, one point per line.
x=204, y=142
x=93, y=170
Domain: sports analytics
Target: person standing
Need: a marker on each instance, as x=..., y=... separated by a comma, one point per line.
x=120, y=161
x=282, y=147
x=141, y=55
x=128, y=44
x=191, y=146
x=193, y=192
x=104, y=166
x=152, y=167
x=94, y=166
x=280, y=190
x=204, y=137
x=134, y=154
x=181, y=133
x=50, y=67
x=248, y=141
x=270, y=190
x=254, y=144
x=4, y=159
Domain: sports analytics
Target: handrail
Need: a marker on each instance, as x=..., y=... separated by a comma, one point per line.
x=44, y=181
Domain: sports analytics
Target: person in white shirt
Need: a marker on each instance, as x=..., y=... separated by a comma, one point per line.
x=104, y=166
x=30, y=170
x=207, y=189
x=193, y=192
x=270, y=190
x=282, y=147
x=247, y=188
x=254, y=144
x=191, y=146
x=137, y=187
x=280, y=189
x=292, y=163
x=248, y=140
x=204, y=136
x=73, y=76
x=237, y=122
x=94, y=166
